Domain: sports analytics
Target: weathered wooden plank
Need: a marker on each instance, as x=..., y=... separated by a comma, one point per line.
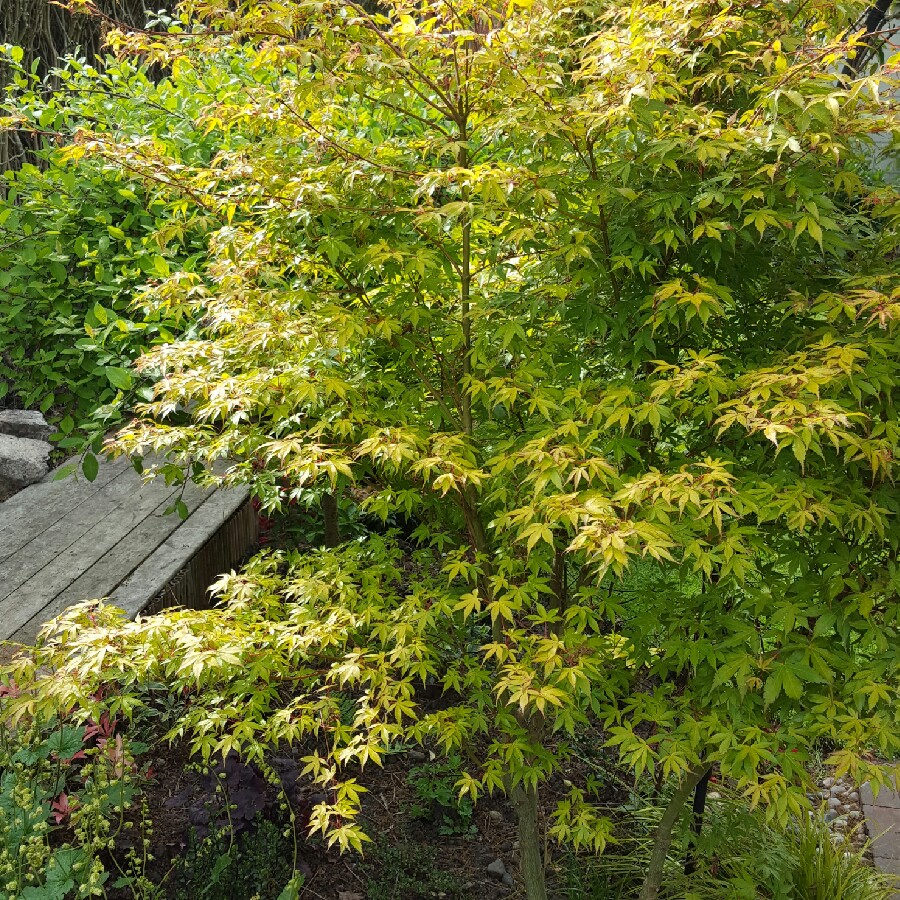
x=112, y=505
x=119, y=562
x=226, y=548
x=70, y=540
x=27, y=514
x=108, y=530
x=136, y=592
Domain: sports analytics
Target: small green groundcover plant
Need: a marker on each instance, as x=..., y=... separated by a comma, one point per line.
x=408, y=871
x=598, y=302
x=436, y=797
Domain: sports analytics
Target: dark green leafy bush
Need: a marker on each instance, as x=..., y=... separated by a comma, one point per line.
x=258, y=864
x=81, y=236
x=437, y=796
x=79, y=242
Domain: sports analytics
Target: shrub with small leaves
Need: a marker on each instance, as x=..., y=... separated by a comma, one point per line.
x=258, y=864
x=407, y=871
x=437, y=796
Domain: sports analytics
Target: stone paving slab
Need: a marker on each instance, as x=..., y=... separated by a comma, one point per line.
x=886, y=798
x=888, y=867
x=883, y=824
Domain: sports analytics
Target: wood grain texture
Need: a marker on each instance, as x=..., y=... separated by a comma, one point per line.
x=66, y=541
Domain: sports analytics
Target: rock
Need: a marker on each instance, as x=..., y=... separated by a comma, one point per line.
x=836, y=791
x=23, y=461
x=831, y=815
x=495, y=815
x=496, y=869
x=853, y=796
x=507, y=879
x=516, y=845
x=834, y=803
x=827, y=782
x=24, y=423
x=416, y=756
x=713, y=795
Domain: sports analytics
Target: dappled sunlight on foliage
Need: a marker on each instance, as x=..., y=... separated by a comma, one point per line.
x=596, y=304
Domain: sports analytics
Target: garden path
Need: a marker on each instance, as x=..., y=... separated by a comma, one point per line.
x=883, y=823
x=63, y=541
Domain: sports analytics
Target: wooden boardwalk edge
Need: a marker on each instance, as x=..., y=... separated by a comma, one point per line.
x=63, y=542
x=197, y=538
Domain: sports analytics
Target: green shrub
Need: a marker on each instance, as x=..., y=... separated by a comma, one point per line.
x=80, y=236
x=258, y=864
x=78, y=240
x=437, y=796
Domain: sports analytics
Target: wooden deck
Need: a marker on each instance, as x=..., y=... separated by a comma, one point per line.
x=70, y=540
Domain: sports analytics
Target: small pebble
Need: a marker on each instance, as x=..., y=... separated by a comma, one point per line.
x=834, y=803
x=507, y=879
x=853, y=796
x=827, y=782
x=496, y=869
x=495, y=815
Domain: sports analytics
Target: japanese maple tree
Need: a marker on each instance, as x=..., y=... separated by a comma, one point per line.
x=600, y=301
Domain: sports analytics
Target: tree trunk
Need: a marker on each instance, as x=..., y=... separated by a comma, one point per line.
x=330, y=515
x=525, y=801
x=875, y=17
x=663, y=838
x=690, y=862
